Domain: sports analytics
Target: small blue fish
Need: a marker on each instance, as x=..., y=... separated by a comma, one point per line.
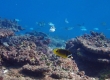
x=31, y=28
x=17, y=20
x=96, y=29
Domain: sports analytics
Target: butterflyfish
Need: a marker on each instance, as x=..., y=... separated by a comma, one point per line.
x=62, y=53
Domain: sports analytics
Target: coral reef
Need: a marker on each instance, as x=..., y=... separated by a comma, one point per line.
x=56, y=42
x=35, y=33
x=36, y=63
x=35, y=60
x=10, y=24
x=92, y=54
x=60, y=69
x=23, y=49
x=94, y=47
x=5, y=33
x=30, y=56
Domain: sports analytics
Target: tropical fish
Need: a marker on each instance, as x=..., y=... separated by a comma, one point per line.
x=17, y=20
x=62, y=53
x=51, y=24
x=41, y=24
x=83, y=28
x=52, y=29
x=66, y=21
x=96, y=29
x=31, y=28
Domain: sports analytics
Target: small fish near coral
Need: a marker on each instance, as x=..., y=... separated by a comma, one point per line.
x=62, y=53
x=52, y=29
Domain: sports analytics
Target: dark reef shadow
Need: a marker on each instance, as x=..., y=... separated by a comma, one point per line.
x=92, y=69
x=12, y=64
x=37, y=75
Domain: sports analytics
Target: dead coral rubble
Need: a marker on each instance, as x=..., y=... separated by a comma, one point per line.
x=94, y=47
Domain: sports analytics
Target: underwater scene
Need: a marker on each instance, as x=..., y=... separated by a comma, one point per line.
x=54, y=39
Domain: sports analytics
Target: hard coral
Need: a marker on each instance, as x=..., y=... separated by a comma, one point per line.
x=5, y=33
x=94, y=47
x=10, y=24
x=32, y=54
x=39, y=71
x=59, y=69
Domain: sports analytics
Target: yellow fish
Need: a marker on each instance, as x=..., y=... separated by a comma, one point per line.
x=62, y=53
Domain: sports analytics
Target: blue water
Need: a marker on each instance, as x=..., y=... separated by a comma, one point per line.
x=91, y=13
